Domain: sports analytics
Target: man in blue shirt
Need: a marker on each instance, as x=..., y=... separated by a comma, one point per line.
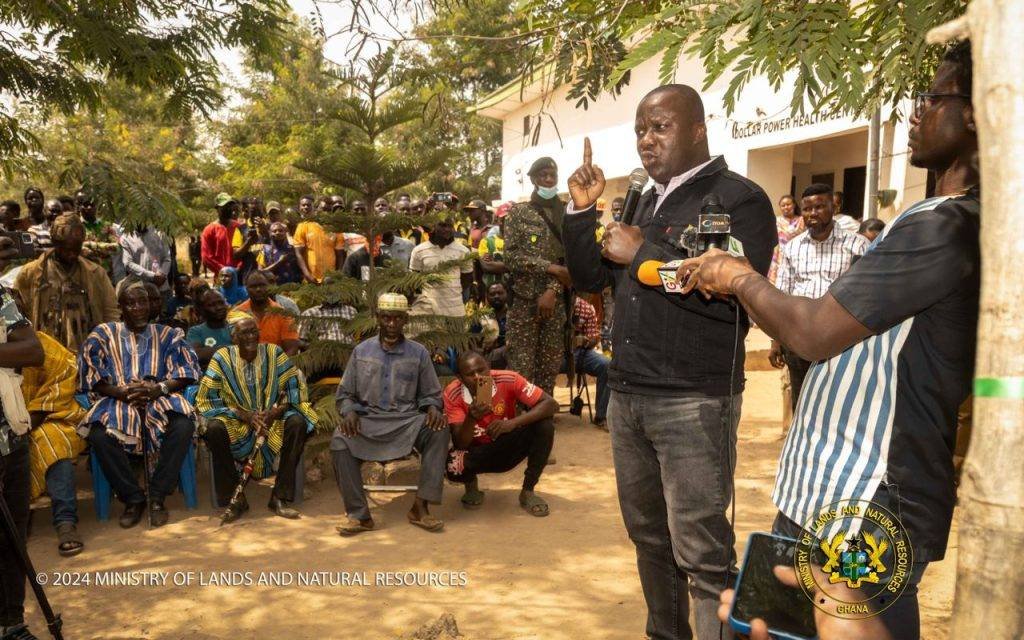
x=278, y=257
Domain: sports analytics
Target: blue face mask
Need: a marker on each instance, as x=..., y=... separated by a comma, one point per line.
x=547, y=192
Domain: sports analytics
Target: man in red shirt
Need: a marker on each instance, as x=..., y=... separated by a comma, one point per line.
x=488, y=437
x=215, y=246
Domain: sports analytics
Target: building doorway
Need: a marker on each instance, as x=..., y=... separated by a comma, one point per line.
x=837, y=160
x=853, y=191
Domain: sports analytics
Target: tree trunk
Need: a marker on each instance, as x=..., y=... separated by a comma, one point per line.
x=989, y=600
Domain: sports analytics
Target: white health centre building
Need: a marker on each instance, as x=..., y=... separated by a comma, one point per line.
x=759, y=139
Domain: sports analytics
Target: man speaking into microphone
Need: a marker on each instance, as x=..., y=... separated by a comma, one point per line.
x=676, y=359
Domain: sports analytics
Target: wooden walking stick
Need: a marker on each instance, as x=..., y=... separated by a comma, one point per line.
x=144, y=432
x=261, y=437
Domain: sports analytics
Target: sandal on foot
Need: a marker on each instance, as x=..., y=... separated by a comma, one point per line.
x=427, y=522
x=69, y=543
x=353, y=526
x=473, y=498
x=534, y=505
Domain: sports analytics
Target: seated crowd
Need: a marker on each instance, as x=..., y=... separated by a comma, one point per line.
x=127, y=358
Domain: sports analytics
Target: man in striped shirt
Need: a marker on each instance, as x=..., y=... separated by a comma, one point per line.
x=893, y=345
x=809, y=264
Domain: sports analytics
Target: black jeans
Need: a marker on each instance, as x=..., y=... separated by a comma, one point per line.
x=225, y=471
x=532, y=443
x=177, y=438
x=674, y=458
x=797, y=372
x=902, y=619
x=14, y=478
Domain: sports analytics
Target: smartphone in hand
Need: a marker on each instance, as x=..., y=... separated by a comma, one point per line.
x=786, y=610
x=484, y=390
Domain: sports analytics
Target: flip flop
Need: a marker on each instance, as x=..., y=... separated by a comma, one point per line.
x=534, y=505
x=473, y=499
x=352, y=527
x=427, y=522
x=69, y=543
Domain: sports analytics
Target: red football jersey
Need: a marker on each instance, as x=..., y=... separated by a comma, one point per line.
x=509, y=388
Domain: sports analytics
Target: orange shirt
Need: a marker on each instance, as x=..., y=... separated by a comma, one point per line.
x=274, y=327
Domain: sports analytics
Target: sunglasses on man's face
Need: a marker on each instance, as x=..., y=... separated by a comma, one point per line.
x=924, y=101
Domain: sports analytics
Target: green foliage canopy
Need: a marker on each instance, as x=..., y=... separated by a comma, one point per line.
x=104, y=92
x=139, y=167
x=851, y=56
x=59, y=55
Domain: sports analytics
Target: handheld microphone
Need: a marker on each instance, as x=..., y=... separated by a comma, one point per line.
x=637, y=180
x=655, y=273
x=648, y=272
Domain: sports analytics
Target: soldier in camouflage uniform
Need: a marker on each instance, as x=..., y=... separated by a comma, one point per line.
x=535, y=259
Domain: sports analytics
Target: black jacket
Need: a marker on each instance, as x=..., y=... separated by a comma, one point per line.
x=665, y=343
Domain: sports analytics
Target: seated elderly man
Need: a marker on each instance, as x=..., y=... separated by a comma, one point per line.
x=390, y=402
x=54, y=443
x=488, y=436
x=251, y=388
x=134, y=373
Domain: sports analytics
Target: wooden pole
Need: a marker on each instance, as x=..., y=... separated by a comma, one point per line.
x=989, y=600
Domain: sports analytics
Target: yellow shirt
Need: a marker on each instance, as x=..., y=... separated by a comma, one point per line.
x=499, y=246
x=319, y=246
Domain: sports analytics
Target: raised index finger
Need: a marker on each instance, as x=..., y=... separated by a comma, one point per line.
x=588, y=155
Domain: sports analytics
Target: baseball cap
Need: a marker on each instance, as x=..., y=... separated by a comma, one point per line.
x=476, y=204
x=224, y=198
x=273, y=205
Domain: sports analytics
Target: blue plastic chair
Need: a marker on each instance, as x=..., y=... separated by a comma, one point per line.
x=103, y=492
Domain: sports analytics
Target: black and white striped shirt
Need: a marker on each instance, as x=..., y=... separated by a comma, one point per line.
x=807, y=267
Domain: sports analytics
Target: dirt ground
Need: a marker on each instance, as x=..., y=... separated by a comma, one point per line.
x=571, y=575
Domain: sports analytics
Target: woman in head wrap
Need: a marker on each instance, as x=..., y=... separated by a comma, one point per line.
x=233, y=292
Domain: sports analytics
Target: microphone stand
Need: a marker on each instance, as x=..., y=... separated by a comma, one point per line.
x=10, y=530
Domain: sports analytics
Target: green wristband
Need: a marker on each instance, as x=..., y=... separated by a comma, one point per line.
x=1006, y=387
